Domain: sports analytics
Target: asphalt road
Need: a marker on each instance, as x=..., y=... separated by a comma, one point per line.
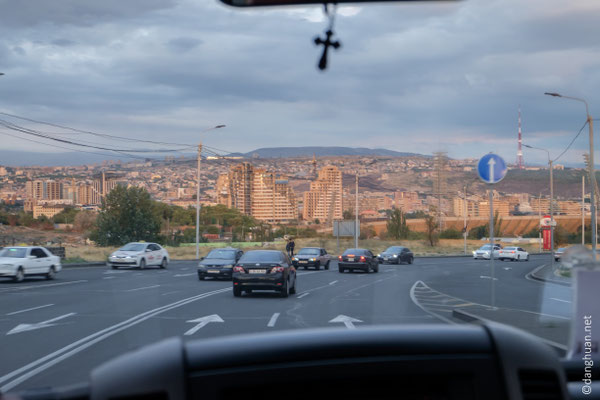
x=54, y=333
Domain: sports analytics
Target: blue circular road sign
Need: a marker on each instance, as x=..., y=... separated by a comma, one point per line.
x=491, y=168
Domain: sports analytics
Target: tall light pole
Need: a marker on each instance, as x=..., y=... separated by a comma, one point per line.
x=550, y=161
x=591, y=171
x=356, y=228
x=465, y=220
x=199, y=158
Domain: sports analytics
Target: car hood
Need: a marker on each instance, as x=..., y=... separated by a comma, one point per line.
x=306, y=256
x=215, y=262
x=11, y=260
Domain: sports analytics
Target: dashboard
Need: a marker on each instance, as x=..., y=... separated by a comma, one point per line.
x=435, y=362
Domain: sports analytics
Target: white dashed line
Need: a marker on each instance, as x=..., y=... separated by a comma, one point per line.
x=333, y=283
x=273, y=320
x=29, y=309
x=302, y=295
x=142, y=288
x=551, y=298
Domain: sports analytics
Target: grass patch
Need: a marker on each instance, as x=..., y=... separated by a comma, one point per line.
x=419, y=247
x=73, y=260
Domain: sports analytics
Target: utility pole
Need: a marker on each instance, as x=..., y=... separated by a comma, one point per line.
x=198, y=202
x=551, y=214
x=540, y=218
x=356, y=226
x=583, y=210
x=465, y=219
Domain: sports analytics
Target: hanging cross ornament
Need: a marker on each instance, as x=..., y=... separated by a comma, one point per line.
x=327, y=42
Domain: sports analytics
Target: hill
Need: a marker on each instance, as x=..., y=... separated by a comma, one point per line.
x=321, y=151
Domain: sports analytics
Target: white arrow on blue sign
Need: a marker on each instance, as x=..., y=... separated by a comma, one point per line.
x=491, y=168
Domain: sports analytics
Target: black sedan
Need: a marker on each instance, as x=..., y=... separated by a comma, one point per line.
x=396, y=255
x=219, y=263
x=358, y=259
x=264, y=270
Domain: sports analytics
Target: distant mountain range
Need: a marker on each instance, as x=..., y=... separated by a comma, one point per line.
x=321, y=151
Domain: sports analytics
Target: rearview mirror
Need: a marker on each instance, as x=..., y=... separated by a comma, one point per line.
x=31, y=257
x=260, y=3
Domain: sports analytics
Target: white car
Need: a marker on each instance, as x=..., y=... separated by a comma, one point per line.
x=484, y=251
x=513, y=254
x=18, y=262
x=139, y=254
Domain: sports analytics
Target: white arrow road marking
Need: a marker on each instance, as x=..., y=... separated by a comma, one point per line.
x=491, y=164
x=44, y=324
x=202, y=322
x=346, y=320
x=273, y=320
x=29, y=309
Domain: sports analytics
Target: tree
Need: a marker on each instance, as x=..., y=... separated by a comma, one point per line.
x=66, y=216
x=85, y=221
x=431, y=226
x=317, y=221
x=396, y=225
x=348, y=214
x=126, y=215
x=451, y=233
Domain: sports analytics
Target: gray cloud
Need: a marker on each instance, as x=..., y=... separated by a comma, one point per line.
x=412, y=77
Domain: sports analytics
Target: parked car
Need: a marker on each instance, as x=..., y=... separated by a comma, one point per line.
x=139, y=254
x=396, y=255
x=358, y=259
x=484, y=251
x=315, y=257
x=558, y=253
x=219, y=263
x=513, y=254
x=18, y=262
x=264, y=270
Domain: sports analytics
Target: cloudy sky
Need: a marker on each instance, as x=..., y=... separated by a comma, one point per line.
x=410, y=77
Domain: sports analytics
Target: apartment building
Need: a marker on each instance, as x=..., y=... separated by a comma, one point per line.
x=324, y=199
x=262, y=194
x=273, y=200
x=101, y=186
x=34, y=189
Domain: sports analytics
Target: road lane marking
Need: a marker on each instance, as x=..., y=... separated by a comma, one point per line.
x=273, y=320
x=109, y=277
x=202, y=322
x=302, y=295
x=33, y=368
x=179, y=275
x=16, y=288
x=333, y=283
x=143, y=288
x=39, y=325
x=487, y=277
x=175, y=291
x=346, y=320
x=29, y=309
x=551, y=298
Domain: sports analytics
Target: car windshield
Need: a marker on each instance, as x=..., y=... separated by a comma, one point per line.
x=133, y=247
x=394, y=249
x=260, y=257
x=12, y=252
x=354, y=252
x=309, y=252
x=414, y=133
x=222, y=254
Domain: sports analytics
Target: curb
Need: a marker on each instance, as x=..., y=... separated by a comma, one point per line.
x=532, y=276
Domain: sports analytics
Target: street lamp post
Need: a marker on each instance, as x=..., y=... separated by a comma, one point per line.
x=199, y=158
x=550, y=161
x=591, y=171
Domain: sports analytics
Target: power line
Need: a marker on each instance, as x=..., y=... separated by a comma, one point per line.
x=90, y=132
x=572, y=141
